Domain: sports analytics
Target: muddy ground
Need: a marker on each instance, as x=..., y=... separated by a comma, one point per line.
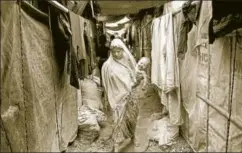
x=150, y=103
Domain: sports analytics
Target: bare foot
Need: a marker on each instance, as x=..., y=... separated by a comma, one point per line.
x=122, y=145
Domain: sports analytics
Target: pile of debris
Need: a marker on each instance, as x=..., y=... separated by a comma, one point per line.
x=162, y=131
x=90, y=113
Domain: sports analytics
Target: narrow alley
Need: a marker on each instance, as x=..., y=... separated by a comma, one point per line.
x=121, y=76
x=150, y=104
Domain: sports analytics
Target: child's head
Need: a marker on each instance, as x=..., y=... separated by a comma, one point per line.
x=143, y=63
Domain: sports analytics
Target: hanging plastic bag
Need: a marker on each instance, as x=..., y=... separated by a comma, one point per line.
x=163, y=132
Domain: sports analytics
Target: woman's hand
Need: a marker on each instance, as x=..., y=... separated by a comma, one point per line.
x=143, y=88
x=135, y=85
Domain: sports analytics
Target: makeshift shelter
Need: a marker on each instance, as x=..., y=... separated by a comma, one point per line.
x=209, y=80
x=212, y=70
x=202, y=63
x=208, y=72
x=38, y=105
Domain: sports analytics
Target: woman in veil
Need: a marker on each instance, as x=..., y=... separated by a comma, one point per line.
x=119, y=81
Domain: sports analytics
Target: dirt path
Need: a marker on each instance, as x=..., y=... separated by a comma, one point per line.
x=149, y=104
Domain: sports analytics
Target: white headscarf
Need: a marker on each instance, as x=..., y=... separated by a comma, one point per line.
x=119, y=43
x=118, y=77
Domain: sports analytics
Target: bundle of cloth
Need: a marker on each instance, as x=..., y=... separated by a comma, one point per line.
x=226, y=17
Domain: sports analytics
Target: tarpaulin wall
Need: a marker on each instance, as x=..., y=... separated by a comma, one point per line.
x=211, y=84
x=39, y=107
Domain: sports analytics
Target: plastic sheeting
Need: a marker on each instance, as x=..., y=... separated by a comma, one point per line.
x=93, y=100
x=39, y=107
x=235, y=136
x=125, y=7
x=11, y=80
x=208, y=70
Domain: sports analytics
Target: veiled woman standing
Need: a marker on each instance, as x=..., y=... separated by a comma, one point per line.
x=119, y=81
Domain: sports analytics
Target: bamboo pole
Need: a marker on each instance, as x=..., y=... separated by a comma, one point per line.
x=221, y=111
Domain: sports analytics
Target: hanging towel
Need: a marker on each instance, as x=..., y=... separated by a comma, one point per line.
x=164, y=73
x=163, y=54
x=155, y=66
x=167, y=54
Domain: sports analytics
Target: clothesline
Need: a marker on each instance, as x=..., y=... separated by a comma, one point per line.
x=58, y=5
x=173, y=13
x=54, y=3
x=64, y=9
x=35, y=9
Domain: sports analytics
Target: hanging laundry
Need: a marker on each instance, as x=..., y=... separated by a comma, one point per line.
x=146, y=38
x=133, y=32
x=136, y=39
x=158, y=11
x=140, y=53
x=61, y=35
x=164, y=72
x=78, y=42
x=77, y=27
x=166, y=54
x=155, y=68
x=146, y=35
x=90, y=45
x=130, y=37
x=190, y=13
x=226, y=17
x=73, y=68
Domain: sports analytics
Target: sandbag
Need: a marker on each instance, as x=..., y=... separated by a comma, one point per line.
x=89, y=129
x=91, y=94
x=86, y=111
x=89, y=121
x=163, y=132
x=87, y=124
